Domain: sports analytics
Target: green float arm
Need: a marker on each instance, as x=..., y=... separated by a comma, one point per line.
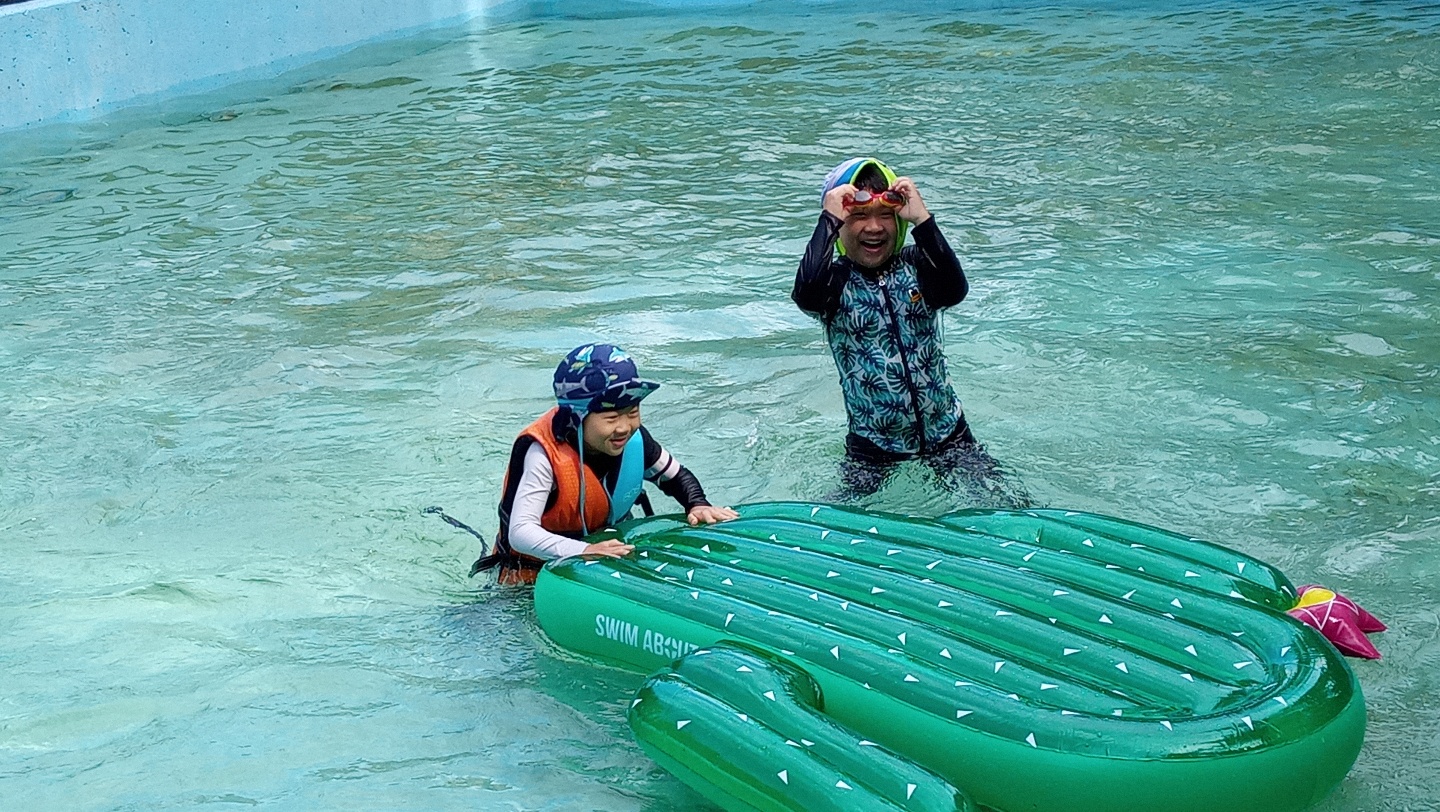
x=744, y=728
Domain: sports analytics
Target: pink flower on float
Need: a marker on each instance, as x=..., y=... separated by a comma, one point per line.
x=1339, y=619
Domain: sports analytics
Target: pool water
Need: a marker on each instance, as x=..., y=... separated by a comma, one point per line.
x=248, y=337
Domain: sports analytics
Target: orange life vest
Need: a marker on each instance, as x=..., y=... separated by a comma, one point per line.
x=563, y=517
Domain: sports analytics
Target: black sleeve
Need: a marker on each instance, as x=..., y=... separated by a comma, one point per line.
x=685, y=489
x=819, y=280
x=681, y=485
x=942, y=280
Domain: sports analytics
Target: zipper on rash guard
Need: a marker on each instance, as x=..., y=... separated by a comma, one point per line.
x=904, y=362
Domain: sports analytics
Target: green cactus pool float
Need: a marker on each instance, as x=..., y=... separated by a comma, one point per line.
x=1021, y=660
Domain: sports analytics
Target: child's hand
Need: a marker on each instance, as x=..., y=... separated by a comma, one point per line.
x=835, y=203
x=914, y=211
x=610, y=548
x=710, y=514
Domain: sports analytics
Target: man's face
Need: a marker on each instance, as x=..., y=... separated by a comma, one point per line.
x=608, y=432
x=868, y=235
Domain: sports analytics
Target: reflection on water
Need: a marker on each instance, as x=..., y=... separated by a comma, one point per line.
x=248, y=337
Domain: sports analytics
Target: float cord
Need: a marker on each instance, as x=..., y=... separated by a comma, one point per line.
x=454, y=522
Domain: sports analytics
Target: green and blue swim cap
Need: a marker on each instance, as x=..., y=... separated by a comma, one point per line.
x=847, y=172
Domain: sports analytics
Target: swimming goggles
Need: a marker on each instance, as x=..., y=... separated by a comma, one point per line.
x=864, y=198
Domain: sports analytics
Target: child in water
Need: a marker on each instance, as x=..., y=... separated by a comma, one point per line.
x=580, y=468
x=880, y=304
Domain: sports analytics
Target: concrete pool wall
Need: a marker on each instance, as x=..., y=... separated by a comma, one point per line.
x=76, y=59
x=73, y=60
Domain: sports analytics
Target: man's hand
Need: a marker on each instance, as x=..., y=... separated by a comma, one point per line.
x=835, y=203
x=710, y=514
x=914, y=211
x=610, y=548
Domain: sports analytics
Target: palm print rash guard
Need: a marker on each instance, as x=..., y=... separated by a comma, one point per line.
x=883, y=327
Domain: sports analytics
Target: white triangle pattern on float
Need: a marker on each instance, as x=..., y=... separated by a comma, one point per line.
x=945, y=652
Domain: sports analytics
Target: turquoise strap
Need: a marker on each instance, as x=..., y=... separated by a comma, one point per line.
x=631, y=480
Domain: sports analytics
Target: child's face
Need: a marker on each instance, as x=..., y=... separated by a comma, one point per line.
x=608, y=432
x=868, y=235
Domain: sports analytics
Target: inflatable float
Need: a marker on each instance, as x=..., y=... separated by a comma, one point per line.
x=817, y=657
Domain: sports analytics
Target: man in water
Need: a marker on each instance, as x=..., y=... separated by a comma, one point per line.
x=880, y=304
